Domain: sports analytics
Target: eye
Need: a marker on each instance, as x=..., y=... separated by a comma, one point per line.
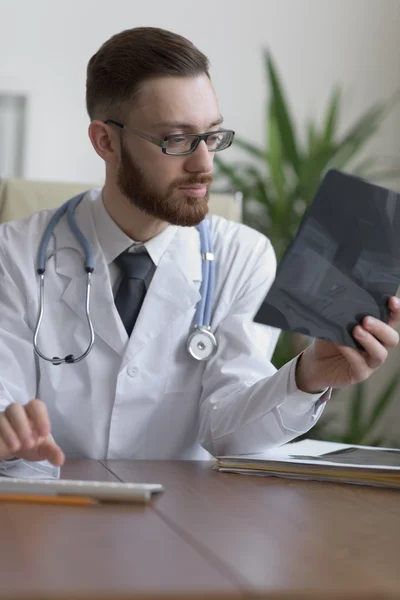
x=215, y=140
x=177, y=139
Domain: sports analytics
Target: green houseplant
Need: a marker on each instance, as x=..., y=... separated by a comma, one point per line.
x=278, y=182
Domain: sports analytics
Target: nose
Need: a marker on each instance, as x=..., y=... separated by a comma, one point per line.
x=201, y=160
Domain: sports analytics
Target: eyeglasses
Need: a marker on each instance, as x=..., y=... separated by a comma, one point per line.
x=184, y=143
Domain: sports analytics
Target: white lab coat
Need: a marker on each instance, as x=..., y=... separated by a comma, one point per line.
x=146, y=398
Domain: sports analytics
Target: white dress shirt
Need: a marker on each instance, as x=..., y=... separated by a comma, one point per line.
x=114, y=242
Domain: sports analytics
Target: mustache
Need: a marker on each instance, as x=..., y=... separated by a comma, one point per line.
x=193, y=180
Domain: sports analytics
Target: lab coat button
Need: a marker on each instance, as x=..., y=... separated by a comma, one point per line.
x=133, y=371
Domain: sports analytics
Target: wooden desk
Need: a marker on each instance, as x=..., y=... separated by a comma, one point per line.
x=209, y=536
x=280, y=538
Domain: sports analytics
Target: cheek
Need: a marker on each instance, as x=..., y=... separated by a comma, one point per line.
x=163, y=171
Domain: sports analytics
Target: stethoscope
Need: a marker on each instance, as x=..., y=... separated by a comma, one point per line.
x=201, y=342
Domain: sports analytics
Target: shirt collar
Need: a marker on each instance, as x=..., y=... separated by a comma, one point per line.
x=113, y=241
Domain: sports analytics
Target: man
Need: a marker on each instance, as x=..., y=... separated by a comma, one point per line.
x=138, y=393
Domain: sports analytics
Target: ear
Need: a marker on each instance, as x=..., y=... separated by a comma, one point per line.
x=105, y=141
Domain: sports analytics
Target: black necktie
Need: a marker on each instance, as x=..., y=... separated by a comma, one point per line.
x=135, y=268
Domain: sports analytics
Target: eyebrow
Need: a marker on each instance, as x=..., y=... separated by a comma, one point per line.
x=183, y=125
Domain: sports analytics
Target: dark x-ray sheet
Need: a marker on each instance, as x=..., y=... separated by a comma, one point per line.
x=343, y=264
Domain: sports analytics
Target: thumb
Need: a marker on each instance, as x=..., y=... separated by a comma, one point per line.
x=49, y=450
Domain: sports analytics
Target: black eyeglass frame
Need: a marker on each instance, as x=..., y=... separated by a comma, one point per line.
x=163, y=144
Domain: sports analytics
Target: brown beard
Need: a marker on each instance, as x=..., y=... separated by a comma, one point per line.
x=173, y=207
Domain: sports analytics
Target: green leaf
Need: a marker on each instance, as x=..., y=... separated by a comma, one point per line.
x=355, y=414
x=332, y=117
x=358, y=135
x=250, y=148
x=284, y=350
x=276, y=159
x=312, y=171
x=261, y=187
x=391, y=103
x=366, y=124
x=239, y=183
x=284, y=122
x=312, y=137
x=382, y=403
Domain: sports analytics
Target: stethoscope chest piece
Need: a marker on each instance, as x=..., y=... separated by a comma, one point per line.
x=201, y=343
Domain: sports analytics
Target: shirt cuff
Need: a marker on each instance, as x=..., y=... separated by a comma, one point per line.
x=298, y=402
x=9, y=463
x=20, y=468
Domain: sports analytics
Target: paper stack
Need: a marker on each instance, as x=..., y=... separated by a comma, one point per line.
x=321, y=461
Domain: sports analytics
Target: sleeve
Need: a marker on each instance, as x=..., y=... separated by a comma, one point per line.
x=18, y=370
x=248, y=406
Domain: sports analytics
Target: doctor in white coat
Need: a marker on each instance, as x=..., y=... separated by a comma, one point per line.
x=139, y=394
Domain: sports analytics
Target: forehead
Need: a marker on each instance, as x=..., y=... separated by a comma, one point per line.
x=190, y=100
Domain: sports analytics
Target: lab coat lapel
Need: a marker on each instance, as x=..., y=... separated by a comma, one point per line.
x=173, y=291
x=70, y=264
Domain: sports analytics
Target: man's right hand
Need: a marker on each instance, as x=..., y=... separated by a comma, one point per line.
x=25, y=433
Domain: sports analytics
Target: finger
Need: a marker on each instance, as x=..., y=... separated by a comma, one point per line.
x=37, y=413
x=394, y=306
x=387, y=336
x=9, y=442
x=358, y=366
x=376, y=353
x=50, y=451
x=19, y=421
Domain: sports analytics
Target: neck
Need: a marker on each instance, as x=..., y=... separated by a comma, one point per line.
x=135, y=223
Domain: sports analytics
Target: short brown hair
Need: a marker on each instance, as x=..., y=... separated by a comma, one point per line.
x=131, y=57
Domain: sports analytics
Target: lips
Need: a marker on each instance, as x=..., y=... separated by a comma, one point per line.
x=197, y=191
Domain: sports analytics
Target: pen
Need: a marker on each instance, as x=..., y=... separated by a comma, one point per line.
x=13, y=497
x=41, y=499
